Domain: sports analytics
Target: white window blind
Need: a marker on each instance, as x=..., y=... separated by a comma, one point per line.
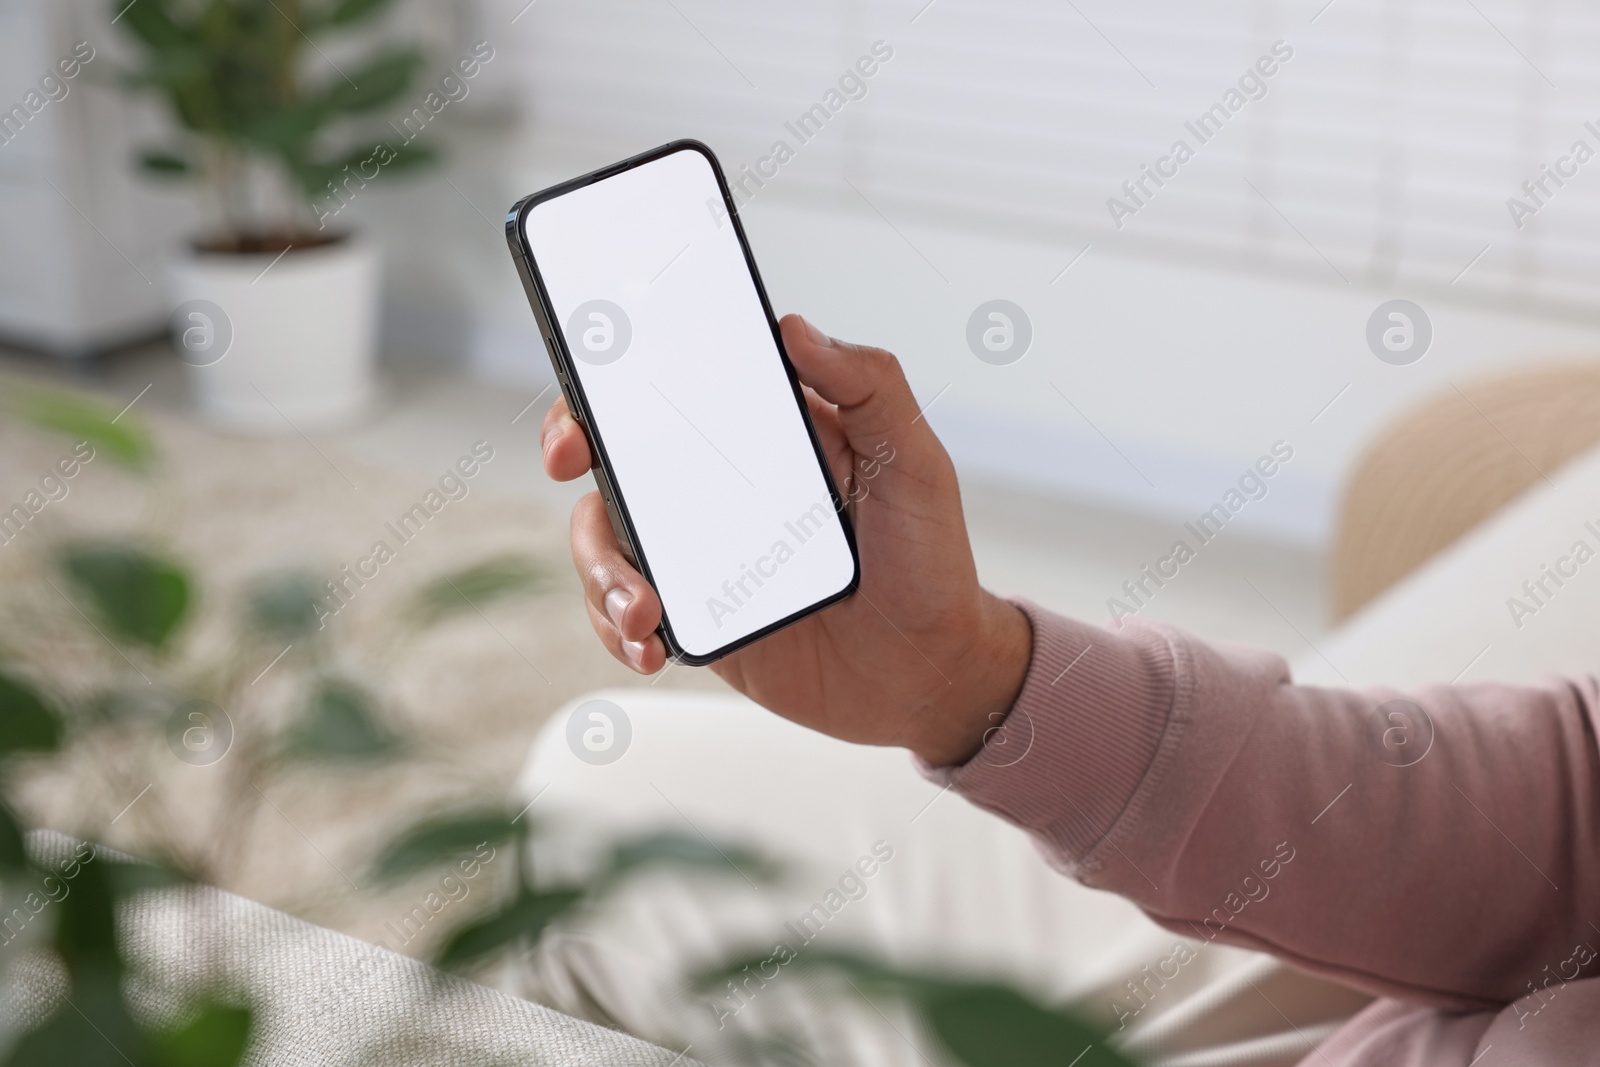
x=1382, y=154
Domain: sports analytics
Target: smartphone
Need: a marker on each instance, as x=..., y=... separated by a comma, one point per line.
x=664, y=343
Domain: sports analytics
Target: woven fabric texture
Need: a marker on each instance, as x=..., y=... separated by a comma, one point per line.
x=322, y=998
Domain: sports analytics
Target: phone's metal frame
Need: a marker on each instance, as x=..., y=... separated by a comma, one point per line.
x=572, y=388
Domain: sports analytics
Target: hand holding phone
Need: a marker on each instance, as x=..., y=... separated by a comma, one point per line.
x=667, y=351
x=921, y=656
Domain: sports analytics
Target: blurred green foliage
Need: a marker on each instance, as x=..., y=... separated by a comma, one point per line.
x=234, y=76
x=83, y=419
x=473, y=587
x=681, y=850
x=520, y=921
x=531, y=908
x=94, y=1026
x=27, y=722
x=144, y=598
x=125, y=608
x=979, y=1023
x=285, y=605
x=341, y=723
x=437, y=842
x=137, y=595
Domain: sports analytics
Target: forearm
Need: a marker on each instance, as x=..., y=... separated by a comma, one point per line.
x=1227, y=802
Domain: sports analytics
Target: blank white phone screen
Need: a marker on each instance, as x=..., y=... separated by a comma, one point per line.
x=690, y=399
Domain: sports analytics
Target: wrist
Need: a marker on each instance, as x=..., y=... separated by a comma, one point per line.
x=991, y=680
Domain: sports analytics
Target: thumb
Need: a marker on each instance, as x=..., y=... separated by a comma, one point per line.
x=866, y=384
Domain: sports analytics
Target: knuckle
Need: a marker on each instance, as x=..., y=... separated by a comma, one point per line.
x=598, y=577
x=885, y=365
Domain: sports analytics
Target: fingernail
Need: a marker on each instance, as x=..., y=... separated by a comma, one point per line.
x=634, y=650
x=816, y=335
x=617, y=602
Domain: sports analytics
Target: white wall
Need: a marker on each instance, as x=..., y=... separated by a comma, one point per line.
x=1191, y=372
x=82, y=239
x=992, y=140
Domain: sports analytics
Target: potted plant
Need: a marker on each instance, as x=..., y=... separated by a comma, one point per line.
x=275, y=309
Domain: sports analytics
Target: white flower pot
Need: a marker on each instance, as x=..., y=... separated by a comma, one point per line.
x=279, y=344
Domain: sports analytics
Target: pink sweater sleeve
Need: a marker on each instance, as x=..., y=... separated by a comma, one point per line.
x=1440, y=847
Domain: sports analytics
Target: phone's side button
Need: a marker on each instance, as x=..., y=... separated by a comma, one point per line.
x=566, y=392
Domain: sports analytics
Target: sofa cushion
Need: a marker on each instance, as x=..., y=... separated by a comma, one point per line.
x=321, y=998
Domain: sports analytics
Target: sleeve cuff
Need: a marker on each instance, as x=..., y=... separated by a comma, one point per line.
x=1070, y=756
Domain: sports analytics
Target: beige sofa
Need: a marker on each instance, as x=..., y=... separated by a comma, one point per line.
x=967, y=891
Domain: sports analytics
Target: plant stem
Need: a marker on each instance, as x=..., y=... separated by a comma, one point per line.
x=289, y=96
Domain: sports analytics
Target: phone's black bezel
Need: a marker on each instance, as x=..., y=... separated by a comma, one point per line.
x=572, y=387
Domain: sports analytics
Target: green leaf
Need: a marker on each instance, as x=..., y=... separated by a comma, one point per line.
x=287, y=128
x=346, y=12
x=150, y=21
x=13, y=848
x=286, y=605
x=524, y=918
x=85, y=936
x=323, y=182
x=314, y=179
x=361, y=160
x=169, y=68
x=994, y=1026
x=65, y=1037
x=475, y=586
x=27, y=722
x=868, y=976
x=681, y=850
x=137, y=876
x=340, y=724
x=982, y=1024
x=376, y=84
x=91, y=1031
x=86, y=420
x=216, y=1039
x=141, y=597
x=439, y=841
x=166, y=164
